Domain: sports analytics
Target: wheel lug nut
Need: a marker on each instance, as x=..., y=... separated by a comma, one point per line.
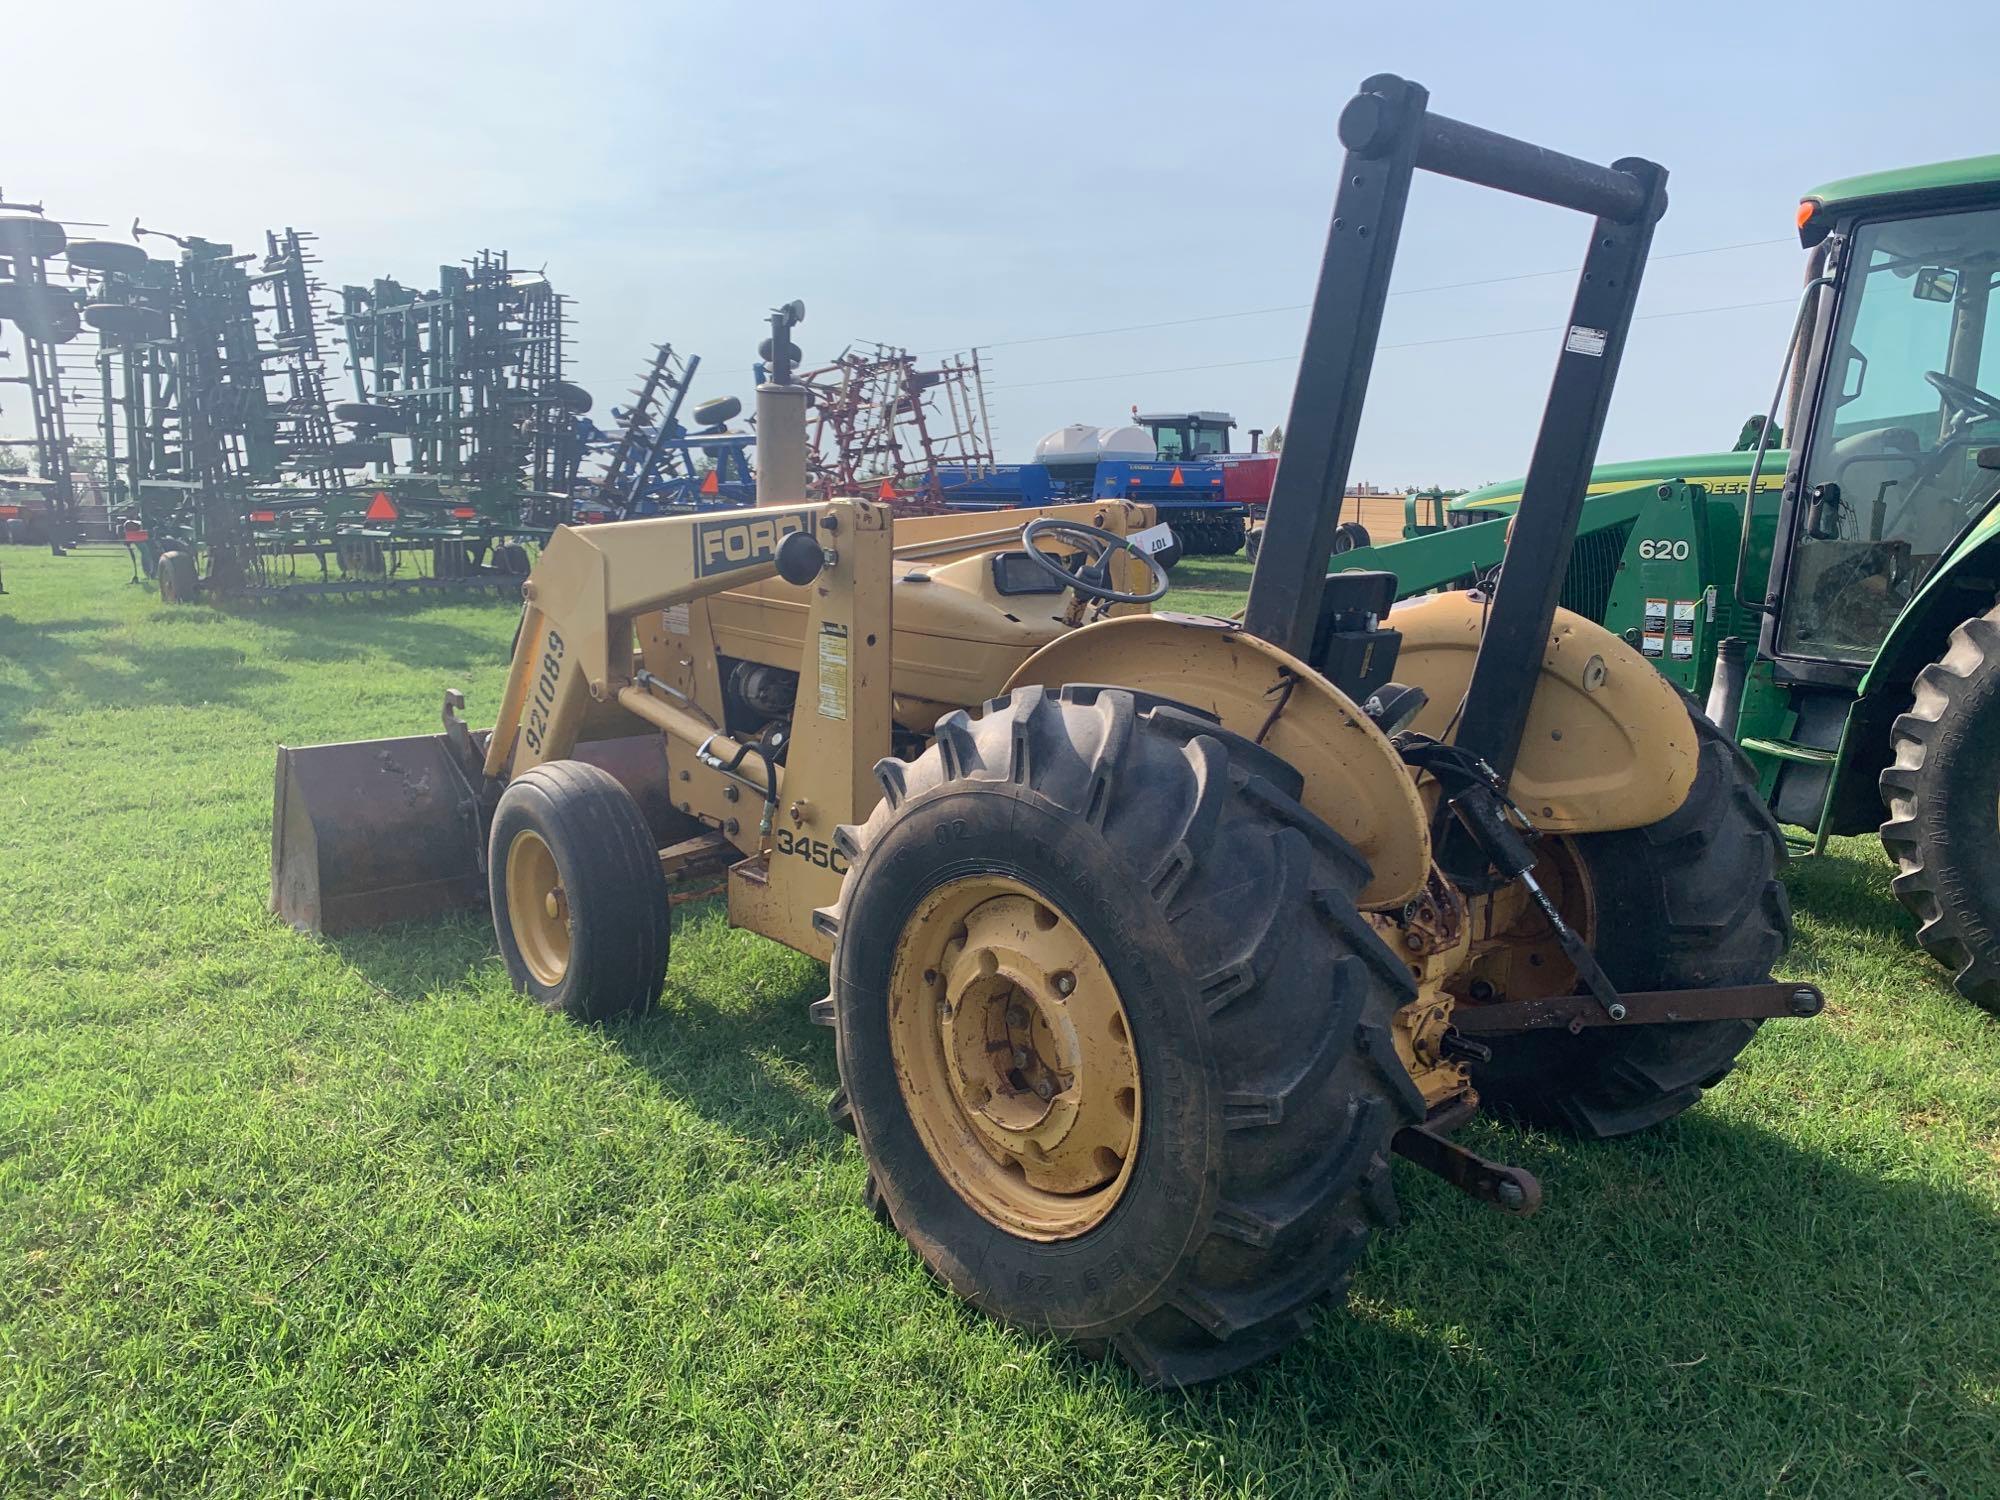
x=1042, y=1089
x=1065, y=984
x=1020, y=1057
x=1016, y=1016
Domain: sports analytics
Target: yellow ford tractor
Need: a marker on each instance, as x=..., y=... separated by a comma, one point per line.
x=1150, y=937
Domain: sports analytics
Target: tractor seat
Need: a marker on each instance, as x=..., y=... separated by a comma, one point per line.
x=1350, y=648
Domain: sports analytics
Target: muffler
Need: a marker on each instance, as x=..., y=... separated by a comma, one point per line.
x=372, y=832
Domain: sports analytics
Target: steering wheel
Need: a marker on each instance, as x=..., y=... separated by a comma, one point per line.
x=1092, y=580
x=1968, y=400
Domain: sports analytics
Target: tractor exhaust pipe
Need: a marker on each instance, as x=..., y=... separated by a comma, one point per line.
x=1725, y=692
x=781, y=444
x=783, y=466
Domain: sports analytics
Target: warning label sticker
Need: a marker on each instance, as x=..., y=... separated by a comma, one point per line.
x=832, y=670
x=1683, y=648
x=675, y=620
x=1589, y=341
x=1653, y=639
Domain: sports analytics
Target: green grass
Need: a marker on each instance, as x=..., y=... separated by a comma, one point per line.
x=280, y=1215
x=1209, y=586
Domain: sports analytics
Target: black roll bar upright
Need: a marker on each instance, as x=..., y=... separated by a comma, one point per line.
x=1390, y=134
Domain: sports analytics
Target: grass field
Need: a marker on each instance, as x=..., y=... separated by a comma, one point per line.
x=284, y=1216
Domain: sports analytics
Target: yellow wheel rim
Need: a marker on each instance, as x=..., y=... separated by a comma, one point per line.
x=538, y=907
x=1514, y=949
x=1015, y=1057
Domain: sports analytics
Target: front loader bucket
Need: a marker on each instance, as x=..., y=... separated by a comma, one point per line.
x=379, y=831
x=373, y=832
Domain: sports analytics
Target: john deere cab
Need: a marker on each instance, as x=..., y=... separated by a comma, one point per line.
x=1878, y=672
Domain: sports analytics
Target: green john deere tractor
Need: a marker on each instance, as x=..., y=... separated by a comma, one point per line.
x=1835, y=601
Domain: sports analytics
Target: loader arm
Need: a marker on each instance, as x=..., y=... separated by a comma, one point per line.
x=575, y=648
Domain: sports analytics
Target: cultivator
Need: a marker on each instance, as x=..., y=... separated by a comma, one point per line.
x=211, y=403
x=658, y=464
x=470, y=376
x=44, y=315
x=222, y=443
x=883, y=426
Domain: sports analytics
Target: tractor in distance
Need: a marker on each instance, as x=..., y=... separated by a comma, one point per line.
x=1174, y=462
x=1150, y=937
x=1836, y=601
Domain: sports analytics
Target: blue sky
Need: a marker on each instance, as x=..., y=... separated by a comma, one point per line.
x=937, y=176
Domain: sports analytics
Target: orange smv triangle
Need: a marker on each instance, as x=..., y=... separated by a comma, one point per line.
x=382, y=508
x=1177, y=476
x=710, y=485
x=887, y=492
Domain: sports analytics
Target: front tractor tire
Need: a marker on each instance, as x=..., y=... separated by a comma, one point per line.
x=580, y=906
x=1690, y=902
x=1942, y=792
x=1111, y=1033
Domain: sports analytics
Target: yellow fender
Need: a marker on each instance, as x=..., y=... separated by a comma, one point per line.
x=1608, y=744
x=1354, y=779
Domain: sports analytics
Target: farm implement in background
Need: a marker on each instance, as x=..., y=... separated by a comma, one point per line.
x=234, y=473
x=1174, y=462
x=657, y=463
x=39, y=306
x=882, y=425
x=877, y=423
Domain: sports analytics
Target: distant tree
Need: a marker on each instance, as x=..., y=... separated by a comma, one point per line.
x=11, y=461
x=1275, y=440
x=86, y=457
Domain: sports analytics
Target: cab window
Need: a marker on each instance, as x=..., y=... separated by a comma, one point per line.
x=1905, y=404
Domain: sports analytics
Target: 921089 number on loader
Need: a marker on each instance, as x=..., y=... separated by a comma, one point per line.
x=1151, y=937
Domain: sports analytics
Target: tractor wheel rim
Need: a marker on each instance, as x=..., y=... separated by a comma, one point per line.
x=1514, y=948
x=538, y=907
x=1015, y=1057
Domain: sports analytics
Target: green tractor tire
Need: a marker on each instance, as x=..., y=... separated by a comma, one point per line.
x=1942, y=791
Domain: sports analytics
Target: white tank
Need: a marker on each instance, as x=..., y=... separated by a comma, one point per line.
x=1080, y=443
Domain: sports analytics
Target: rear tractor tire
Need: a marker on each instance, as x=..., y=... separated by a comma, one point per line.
x=580, y=906
x=1112, y=1035
x=1692, y=901
x=1942, y=791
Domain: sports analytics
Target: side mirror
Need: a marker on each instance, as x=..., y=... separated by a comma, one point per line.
x=1823, y=513
x=1987, y=458
x=1935, y=284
